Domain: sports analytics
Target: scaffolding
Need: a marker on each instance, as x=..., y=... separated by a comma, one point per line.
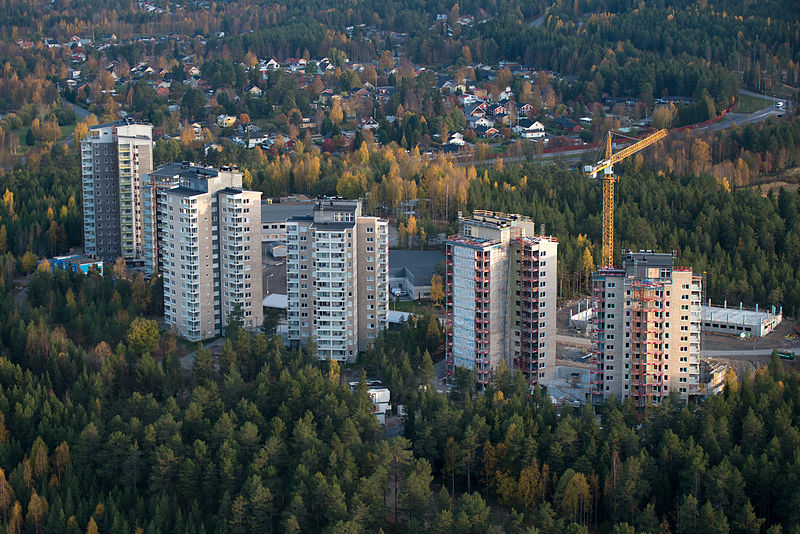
x=597, y=333
x=528, y=359
x=647, y=341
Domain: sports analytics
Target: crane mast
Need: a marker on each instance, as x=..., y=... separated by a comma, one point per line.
x=606, y=166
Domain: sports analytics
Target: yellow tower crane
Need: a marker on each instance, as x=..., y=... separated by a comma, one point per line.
x=607, y=166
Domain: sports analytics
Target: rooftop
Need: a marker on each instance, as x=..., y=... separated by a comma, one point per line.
x=473, y=242
x=284, y=211
x=420, y=263
x=735, y=315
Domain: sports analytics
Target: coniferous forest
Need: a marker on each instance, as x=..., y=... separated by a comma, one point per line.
x=109, y=424
x=267, y=439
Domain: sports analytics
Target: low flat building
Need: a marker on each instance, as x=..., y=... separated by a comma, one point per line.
x=77, y=264
x=380, y=396
x=411, y=271
x=739, y=321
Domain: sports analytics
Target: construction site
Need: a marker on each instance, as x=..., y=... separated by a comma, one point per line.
x=645, y=331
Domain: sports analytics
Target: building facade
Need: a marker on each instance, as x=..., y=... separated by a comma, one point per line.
x=500, y=293
x=154, y=186
x=114, y=157
x=211, y=253
x=337, y=278
x=645, y=330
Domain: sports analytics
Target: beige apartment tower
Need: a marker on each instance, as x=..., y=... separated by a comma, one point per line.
x=646, y=330
x=337, y=278
x=114, y=157
x=501, y=297
x=211, y=253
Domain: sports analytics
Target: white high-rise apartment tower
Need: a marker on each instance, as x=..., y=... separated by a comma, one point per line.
x=211, y=252
x=337, y=270
x=114, y=157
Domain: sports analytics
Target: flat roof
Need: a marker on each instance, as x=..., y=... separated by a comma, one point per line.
x=473, y=242
x=184, y=191
x=276, y=300
x=420, y=263
x=285, y=211
x=734, y=315
x=395, y=317
x=333, y=226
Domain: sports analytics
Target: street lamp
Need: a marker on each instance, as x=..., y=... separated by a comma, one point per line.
x=266, y=279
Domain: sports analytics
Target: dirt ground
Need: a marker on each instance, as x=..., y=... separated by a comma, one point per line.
x=789, y=180
x=776, y=339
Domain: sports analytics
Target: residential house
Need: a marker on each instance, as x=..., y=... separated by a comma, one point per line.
x=78, y=55
x=487, y=132
x=505, y=95
x=465, y=99
x=457, y=139
x=568, y=125
x=477, y=122
x=524, y=109
x=251, y=142
x=476, y=110
x=295, y=65
x=368, y=124
x=529, y=129
x=226, y=121
x=361, y=93
x=255, y=91
x=191, y=71
x=307, y=122
x=497, y=109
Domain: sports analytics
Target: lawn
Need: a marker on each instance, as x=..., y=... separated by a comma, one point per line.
x=413, y=306
x=749, y=104
x=22, y=133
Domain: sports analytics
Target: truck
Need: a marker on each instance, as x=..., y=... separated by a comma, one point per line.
x=783, y=354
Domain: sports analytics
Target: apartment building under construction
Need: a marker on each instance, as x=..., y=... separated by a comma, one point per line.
x=501, y=297
x=646, y=330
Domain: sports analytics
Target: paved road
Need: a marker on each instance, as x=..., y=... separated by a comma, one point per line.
x=758, y=95
x=82, y=113
x=188, y=361
x=538, y=22
x=575, y=156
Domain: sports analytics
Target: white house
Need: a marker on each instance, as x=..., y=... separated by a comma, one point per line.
x=456, y=139
x=475, y=122
x=529, y=129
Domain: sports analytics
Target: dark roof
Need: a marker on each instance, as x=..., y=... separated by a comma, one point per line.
x=333, y=226
x=420, y=263
x=282, y=212
x=184, y=191
x=564, y=122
